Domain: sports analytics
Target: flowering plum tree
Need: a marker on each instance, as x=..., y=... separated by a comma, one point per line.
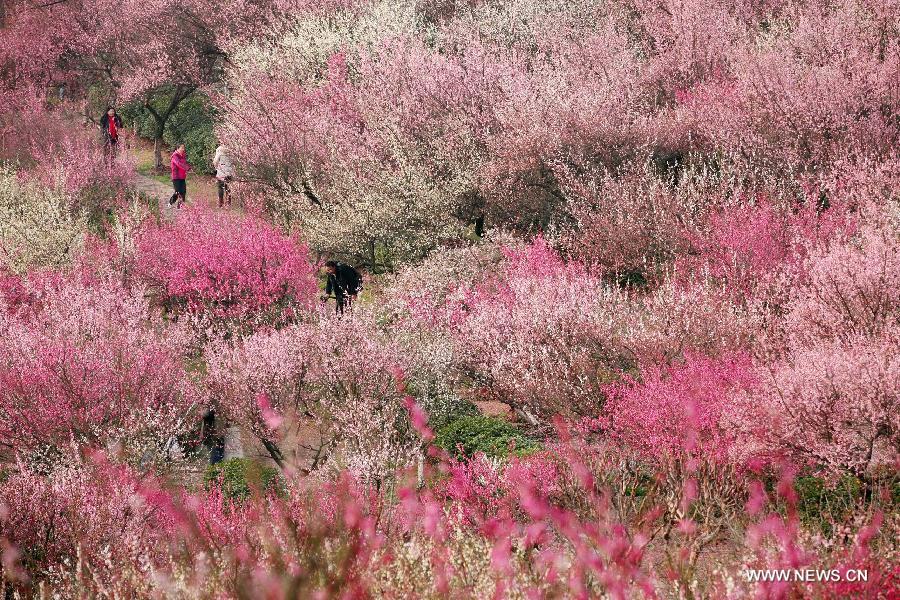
x=832, y=393
x=534, y=335
x=79, y=514
x=811, y=85
x=682, y=409
x=338, y=373
x=89, y=365
x=41, y=226
x=225, y=273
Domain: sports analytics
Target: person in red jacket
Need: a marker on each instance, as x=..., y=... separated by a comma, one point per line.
x=180, y=168
x=110, y=124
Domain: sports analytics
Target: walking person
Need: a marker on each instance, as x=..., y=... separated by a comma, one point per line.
x=180, y=168
x=110, y=124
x=344, y=282
x=224, y=174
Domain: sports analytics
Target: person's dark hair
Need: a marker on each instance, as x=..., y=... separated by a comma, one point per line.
x=330, y=264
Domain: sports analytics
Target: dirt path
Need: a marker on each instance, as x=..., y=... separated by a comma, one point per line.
x=151, y=188
x=201, y=188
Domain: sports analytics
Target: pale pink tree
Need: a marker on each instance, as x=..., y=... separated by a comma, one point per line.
x=338, y=377
x=832, y=388
x=811, y=88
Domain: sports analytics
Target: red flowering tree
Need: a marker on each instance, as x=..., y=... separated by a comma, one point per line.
x=90, y=365
x=89, y=514
x=682, y=410
x=225, y=273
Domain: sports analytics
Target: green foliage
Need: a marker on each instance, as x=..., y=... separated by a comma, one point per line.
x=439, y=401
x=441, y=414
x=135, y=114
x=821, y=503
x=496, y=438
x=239, y=477
x=192, y=123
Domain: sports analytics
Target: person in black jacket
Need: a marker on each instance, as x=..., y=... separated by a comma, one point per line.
x=110, y=124
x=212, y=435
x=344, y=283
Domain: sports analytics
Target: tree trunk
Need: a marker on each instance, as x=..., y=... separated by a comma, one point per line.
x=372, y=254
x=157, y=153
x=275, y=453
x=158, y=141
x=161, y=118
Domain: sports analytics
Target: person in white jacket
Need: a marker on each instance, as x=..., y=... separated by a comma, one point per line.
x=224, y=174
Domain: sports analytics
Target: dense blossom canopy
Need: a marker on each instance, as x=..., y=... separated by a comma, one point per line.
x=630, y=322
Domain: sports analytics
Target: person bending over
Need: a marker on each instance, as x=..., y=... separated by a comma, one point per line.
x=344, y=283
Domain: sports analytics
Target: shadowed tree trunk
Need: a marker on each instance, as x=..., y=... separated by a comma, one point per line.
x=479, y=225
x=275, y=452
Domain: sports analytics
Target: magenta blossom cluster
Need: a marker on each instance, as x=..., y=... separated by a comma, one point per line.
x=225, y=271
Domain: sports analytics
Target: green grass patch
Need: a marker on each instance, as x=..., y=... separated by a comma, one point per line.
x=241, y=477
x=472, y=434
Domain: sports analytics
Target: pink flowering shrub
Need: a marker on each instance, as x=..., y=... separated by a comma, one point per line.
x=831, y=390
x=225, y=273
x=629, y=226
x=853, y=287
x=544, y=335
x=746, y=247
x=534, y=335
x=480, y=489
x=337, y=376
x=90, y=364
x=836, y=404
x=684, y=408
x=86, y=514
x=676, y=319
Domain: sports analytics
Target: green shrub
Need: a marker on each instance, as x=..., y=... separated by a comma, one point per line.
x=192, y=122
x=820, y=504
x=443, y=410
x=239, y=477
x=470, y=434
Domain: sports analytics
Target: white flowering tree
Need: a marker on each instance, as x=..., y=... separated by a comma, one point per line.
x=39, y=225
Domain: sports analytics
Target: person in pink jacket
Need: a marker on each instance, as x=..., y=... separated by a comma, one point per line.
x=180, y=168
